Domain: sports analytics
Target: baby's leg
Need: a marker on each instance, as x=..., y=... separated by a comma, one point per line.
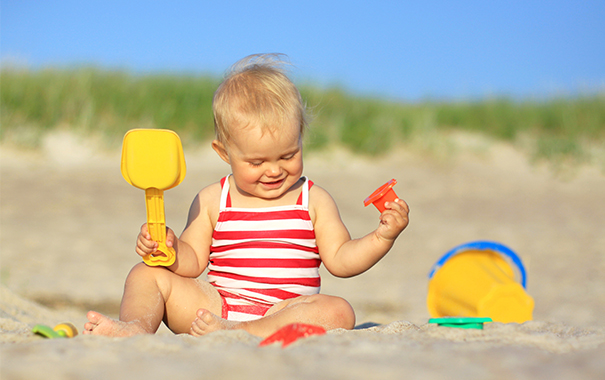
x=153, y=294
x=322, y=310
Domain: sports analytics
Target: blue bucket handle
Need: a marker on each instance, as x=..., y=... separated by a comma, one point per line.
x=482, y=245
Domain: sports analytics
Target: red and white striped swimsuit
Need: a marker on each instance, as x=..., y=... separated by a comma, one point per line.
x=261, y=256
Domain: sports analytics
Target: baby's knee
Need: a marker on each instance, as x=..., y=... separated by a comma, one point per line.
x=339, y=312
x=143, y=271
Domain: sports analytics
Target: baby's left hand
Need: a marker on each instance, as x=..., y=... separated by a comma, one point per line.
x=393, y=220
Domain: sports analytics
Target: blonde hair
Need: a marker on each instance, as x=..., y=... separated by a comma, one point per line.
x=257, y=91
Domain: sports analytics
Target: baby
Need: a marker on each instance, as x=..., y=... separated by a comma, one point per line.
x=261, y=231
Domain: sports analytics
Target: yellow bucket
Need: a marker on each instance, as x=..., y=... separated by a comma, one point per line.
x=480, y=279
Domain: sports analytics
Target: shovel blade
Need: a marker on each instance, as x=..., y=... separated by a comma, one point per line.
x=153, y=158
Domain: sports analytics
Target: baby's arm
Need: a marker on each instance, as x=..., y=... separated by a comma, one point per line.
x=346, y=257
x=193, y=247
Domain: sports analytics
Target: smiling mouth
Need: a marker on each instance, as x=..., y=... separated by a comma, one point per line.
x=273, y=183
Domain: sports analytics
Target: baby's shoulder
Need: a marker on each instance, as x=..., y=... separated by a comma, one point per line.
x=210, y=193
x=318, y=194
x=206, y=203
x=320, y=201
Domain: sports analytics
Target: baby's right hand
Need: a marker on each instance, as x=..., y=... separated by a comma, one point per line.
x=145, y=245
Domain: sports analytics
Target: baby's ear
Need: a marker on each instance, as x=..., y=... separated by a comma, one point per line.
x=220, y=149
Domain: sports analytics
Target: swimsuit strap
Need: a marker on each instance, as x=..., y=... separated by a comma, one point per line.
x=303, y=199
x=225, y=197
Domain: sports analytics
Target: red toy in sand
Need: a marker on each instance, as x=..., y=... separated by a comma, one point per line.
x=290, y=333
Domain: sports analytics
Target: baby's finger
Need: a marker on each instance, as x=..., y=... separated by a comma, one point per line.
x=403, y=204
x=392, y=218
x=398, y=205
x=145, y=231
x=395, y=216
x=145, y=241
x=170, y=237
x=145, y=246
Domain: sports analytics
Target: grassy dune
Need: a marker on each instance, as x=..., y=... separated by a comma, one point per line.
x=108, y=103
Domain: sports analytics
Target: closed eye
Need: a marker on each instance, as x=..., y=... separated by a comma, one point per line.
x=289, y=156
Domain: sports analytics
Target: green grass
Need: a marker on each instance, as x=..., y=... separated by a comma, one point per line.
x=105, y=102
x=108, y=103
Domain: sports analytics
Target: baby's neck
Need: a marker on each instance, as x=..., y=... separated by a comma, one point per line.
x=241, y=199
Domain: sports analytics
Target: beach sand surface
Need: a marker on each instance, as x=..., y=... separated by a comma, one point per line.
x=69, y=223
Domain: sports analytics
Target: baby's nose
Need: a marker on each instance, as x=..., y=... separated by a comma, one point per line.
x=274, y=170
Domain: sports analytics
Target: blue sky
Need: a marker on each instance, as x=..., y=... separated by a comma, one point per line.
x=409, y=50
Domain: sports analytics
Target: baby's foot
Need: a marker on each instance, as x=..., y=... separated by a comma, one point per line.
x=100, y=324
x=206, y=322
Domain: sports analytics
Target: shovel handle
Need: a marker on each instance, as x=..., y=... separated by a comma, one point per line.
x=156, y=223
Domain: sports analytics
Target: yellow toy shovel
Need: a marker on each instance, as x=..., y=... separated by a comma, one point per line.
x=153, y=160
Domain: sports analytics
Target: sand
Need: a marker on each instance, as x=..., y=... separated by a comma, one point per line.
x=69, y=223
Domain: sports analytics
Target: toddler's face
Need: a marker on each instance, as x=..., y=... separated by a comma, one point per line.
x=266, y=165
